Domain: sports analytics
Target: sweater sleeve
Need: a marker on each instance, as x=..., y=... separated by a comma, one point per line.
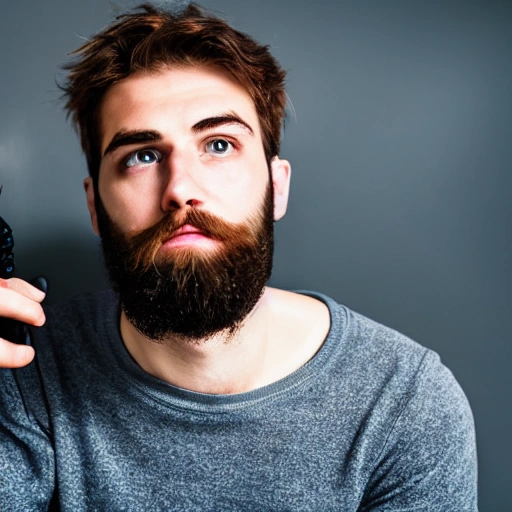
x=428, y=461
x=27, y=469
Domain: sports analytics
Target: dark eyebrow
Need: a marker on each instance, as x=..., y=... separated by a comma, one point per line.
x=125, y=138
x=213, y=122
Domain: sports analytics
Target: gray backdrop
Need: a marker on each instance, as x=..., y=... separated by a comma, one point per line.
x=401, y=149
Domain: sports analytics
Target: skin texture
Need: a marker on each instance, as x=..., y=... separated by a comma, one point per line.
x=176, y=107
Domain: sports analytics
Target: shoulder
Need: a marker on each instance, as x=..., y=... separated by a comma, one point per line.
x=385, y=359
x=407, y=367
x=420, y=441
x=369, y=352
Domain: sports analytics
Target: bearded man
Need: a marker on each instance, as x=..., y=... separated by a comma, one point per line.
x=191, y=385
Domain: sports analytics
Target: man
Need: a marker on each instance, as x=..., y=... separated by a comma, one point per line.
x=192, y=385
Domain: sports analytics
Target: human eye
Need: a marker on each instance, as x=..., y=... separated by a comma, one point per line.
x=219, y=147
x=143, y=157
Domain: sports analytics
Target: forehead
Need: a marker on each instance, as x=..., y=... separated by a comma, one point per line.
x=173, y=98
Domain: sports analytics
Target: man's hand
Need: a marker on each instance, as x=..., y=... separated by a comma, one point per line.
x=19, y=300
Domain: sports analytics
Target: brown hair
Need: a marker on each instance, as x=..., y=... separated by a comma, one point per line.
x=148, y=39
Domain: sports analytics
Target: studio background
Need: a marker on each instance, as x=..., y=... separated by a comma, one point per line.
x=400, y=143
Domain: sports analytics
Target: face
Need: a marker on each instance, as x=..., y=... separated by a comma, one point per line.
x=178, y=139
x=185, y=185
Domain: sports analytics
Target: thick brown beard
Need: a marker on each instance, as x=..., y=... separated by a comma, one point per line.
x=188, y=292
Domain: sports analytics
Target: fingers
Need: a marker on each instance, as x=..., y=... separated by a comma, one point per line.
x=21, y=286
x=20, y=300
x=15, y=356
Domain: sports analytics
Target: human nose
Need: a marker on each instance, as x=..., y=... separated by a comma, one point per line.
x=182, y=187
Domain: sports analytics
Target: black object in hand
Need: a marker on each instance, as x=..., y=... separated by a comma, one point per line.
x=6, y=246
x=13, y=330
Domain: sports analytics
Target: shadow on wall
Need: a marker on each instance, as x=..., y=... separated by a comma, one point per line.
x=70, y=263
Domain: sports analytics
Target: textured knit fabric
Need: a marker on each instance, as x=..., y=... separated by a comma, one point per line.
x=372, y=422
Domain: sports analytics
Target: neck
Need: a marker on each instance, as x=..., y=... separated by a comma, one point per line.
x=281, y=334
x=224, y=363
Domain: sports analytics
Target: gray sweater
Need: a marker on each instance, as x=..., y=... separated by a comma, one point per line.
x=373, y=422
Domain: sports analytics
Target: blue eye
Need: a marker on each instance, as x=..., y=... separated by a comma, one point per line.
x=143, y=157
x=219, y=147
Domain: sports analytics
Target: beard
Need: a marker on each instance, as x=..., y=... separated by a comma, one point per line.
x=190, y=292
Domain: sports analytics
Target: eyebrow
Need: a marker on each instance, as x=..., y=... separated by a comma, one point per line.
x=127, y=137
x=214, y=121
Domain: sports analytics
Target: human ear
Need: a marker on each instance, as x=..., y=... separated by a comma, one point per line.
x=281, y=173
x=91, y=205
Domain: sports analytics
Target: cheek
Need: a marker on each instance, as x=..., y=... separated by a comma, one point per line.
x=246, y=201
x=131, y=205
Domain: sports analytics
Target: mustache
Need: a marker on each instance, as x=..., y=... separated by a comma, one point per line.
x=144, y=245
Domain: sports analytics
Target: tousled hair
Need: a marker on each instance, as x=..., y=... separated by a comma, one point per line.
x=148, y=39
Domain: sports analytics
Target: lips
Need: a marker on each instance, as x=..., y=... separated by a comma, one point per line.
x=189, y=236
x=186, y=230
